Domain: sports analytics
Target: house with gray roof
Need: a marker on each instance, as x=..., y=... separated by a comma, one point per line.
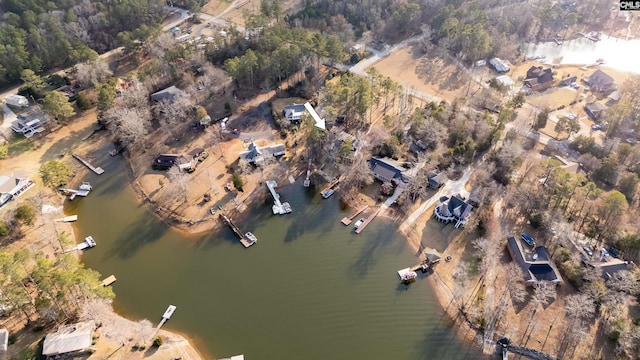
x=256, y=154
x=595, y=110
x=69, y=339
x=12, y=186
x=388, y=170
x=168, y=94
x=453, y=209
x=600, y=81
x=536, y=265
x=293, y=112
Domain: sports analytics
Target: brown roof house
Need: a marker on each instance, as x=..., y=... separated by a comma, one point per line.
x=600, y=82
x=536, y=265
x=538, y=78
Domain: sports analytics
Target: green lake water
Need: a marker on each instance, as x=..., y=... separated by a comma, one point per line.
x=309, y=289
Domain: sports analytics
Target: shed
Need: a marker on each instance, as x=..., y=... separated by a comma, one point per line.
x=505, y=81
x=4, y=340
x=69, y=338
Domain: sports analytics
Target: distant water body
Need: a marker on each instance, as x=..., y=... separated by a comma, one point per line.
x=309, y=289
x=619, y=54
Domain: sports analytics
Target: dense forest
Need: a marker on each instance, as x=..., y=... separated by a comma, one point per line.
x=43, y=35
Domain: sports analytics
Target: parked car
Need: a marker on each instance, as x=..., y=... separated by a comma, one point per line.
x=596, y=127
x=528, y=239
x=587, y=250
x=571, y=116
x=614, y=252
x=604, y=252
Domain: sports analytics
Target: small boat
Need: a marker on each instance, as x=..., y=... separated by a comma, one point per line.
x=328, y=193
x=251, y=237
x=358, y=223
x=600, y=61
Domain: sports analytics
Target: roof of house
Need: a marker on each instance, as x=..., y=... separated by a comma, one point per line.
x=615, y=96
x=504, y=80
x=600, y=80
x=568, y=80
x=196, y=152
x=168, y=94
x=435, y=180
x=10, y=182
x=612, y=266
x=458, y=207
x=69, y=338
x=595, y=107
x=386, y=168
x=255, y=153
x=535, y=267
x=540, y=74
x=295, y=107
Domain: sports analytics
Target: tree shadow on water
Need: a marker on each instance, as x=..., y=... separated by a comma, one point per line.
x=137, y=235
x=375, y=242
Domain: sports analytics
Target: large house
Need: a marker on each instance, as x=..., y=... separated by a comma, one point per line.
x=168, y=94
x=536, y=265
x=257, y=154
x=538, y=78
x=595, y=110
x=166, y=161
x=388, y=170
x=12, y=186
x=69, y=339
x=29, y=124
x=499, y=65
x=453, y=209
x=601, y=82
x=293, y=112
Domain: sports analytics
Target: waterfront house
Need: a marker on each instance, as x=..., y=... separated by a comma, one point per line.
x=613, y=98
x=29, y=124
x=69, y=339
x=600, y=82
x=453, y=209
x=168, y=94
x=538, y=78
x=12, y=186
x=256, y=154
x=499, y=65
x=387, y=170
x=536, y=265
x=293, y=112
x=595, y=110
x=166, y=161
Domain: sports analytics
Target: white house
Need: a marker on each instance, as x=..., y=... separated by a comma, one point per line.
x=27, y=126
x=12, y=186
x=293, y=112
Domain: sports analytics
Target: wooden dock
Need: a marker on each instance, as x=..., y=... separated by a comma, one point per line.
x=97, y=170
x=366, y=222
x=109, y=280
x=332, y=184
x=423, y=266
x=347, y=220
x=236, y=231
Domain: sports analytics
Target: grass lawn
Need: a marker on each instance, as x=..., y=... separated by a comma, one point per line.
x=554, y=99
x=20, y=144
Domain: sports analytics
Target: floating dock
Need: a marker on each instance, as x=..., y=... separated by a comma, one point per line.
x=70, y=218
x=423, y=267
x=366, y=222
x=83, y=191
x=86, y=244
x=407, y=275
x=109, y=280
x=236, y=231
x=307, y=180
x=347, y=220
x=166, y=316
x=97, y=170
x=279, y=208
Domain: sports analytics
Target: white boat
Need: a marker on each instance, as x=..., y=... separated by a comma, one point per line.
x=251, y=237
x=70, y=218
x=359, y=222
x=167, y=314
x=328, y=193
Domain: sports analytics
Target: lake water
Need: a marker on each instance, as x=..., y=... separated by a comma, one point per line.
x=310, y=288
x=619, y=54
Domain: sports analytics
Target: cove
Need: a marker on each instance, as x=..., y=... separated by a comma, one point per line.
x=309, y=289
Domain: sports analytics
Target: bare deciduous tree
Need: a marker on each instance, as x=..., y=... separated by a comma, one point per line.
x=543, y=293
x=92, y=72
x=128, y=125
x=515, y=285
x=179, y=179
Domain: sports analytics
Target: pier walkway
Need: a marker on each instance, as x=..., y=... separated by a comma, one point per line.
x=333, y=183
x=347, y=220
x=278, y=207
x=382, y=209
x=236, y=231
x=97, y=170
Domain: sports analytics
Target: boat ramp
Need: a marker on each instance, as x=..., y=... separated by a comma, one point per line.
x=279, y=208
x=347, y=220
x=246, y=242
x=86, y=244
x=97, y=170
x=83, y=190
